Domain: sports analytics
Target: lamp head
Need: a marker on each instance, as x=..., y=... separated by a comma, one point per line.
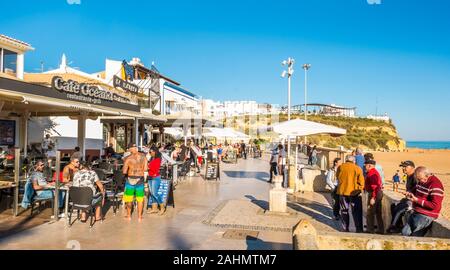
x=283, y=75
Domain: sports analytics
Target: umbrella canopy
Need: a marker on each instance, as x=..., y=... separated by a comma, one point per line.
x=224, y=133
x=175, y=132
x=298, y=128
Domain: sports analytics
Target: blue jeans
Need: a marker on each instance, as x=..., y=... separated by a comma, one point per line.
x=417, y=225
x=49, y=194
x=154, y=197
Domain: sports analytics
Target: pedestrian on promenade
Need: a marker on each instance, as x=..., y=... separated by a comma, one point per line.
x=427, y=199
x=399, y=210
x=47, y=143
x=154, y=182
x=332, y=183
x=219, y=152
x=313, y=156
x=369, y=156
x=359, y=158
x=373, y=188
x=273, y=164
x=396, y=180
x=351, y=185
x=308, y=149
x=282, y=162
x=134, y=168
x=243, y=150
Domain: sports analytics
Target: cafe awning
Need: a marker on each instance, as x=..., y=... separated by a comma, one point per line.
x=40, y=100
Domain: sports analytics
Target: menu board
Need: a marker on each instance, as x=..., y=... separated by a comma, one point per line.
x=212, y=171
x=7, y=132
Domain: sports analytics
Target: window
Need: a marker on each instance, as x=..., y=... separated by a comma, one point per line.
x=9, y=62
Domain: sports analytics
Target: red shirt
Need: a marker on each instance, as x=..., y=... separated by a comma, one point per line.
x=154, y=167
x=373, y=182
x=430, y=196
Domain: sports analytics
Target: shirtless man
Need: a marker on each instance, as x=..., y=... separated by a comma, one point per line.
x=134, y=167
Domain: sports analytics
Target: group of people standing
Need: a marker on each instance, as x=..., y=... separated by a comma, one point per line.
x=360, y=175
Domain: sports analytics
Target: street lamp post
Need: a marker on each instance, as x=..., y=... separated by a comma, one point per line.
x=290, y=64
x=306, y=67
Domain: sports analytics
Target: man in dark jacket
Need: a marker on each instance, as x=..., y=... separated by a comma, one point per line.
x=399, y=210
x=244, y=150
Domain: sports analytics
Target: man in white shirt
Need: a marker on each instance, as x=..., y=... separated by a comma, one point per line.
x=332, y=183
x=47, y=143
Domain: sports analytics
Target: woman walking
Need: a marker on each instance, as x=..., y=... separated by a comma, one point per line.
x=154, y=181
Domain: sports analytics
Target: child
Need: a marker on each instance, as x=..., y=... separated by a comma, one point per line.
x=396, y=180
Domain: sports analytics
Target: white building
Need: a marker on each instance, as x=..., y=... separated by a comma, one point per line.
x=12, y=56
x=12, y=60
x=212, y=109
x=384, y=117
x=235, y=108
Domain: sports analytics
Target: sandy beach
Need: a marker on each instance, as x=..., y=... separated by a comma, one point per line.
x=438, y=161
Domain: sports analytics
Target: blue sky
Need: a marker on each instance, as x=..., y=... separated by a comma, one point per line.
x=397, y=52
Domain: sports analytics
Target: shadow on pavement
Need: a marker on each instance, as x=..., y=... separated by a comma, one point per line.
x=261, y=176
x=316, y=211
x=258, y=244
x=263, y=204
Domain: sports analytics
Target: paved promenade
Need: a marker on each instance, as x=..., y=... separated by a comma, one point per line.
x=227, y=214
x=180, y=228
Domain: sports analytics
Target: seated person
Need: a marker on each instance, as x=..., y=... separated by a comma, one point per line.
x=427, y=197
x=41, y=186
x=86, y=177
x=70, y=170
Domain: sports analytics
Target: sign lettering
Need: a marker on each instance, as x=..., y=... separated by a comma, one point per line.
x=126, y=86
x=85, y=92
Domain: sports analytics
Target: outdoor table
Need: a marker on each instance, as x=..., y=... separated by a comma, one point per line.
x=63, y=187
x=7, y=185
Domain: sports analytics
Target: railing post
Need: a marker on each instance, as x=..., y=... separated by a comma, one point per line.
x=16, y=180
x=56, y=197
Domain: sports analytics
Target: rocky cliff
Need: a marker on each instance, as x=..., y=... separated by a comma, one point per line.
x=361, y=132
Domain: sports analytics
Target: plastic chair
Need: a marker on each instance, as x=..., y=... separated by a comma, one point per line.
x=81, y=200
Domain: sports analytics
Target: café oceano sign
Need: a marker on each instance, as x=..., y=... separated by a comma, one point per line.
x=85, y=93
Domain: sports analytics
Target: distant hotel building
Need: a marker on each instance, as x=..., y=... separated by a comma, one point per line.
x=217, y=109
x=324, y=109
x=384, y=117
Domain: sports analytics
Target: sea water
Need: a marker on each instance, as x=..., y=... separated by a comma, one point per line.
x=428, y=144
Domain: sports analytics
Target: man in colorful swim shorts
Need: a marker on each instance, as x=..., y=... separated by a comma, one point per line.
x=134, y=168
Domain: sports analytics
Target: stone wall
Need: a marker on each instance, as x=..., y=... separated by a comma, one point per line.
x=306, y=237
x=312, y=179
